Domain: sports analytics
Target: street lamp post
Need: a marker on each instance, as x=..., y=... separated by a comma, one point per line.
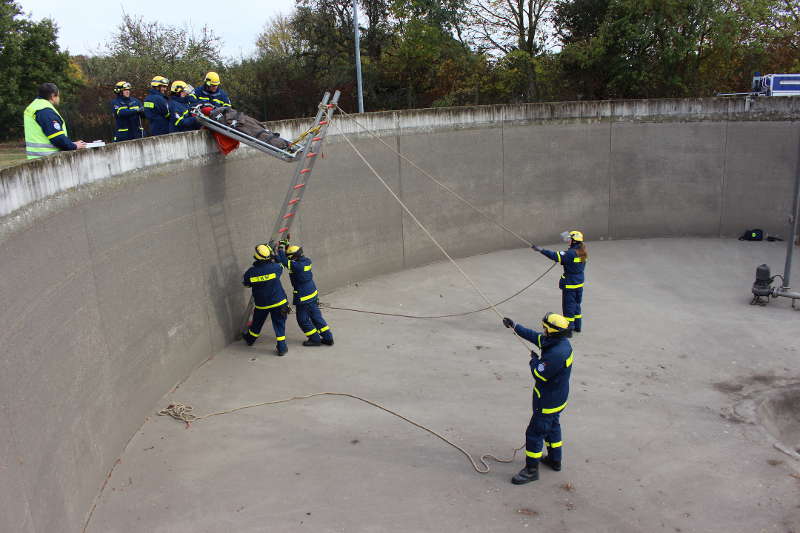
x=358, y=58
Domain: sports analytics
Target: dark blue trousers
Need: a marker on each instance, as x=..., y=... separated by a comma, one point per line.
x=278, y=324
x=543, y=430
x=310, y=320
x=571, y=306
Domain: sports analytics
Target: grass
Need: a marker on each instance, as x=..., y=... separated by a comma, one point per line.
x=11, y=153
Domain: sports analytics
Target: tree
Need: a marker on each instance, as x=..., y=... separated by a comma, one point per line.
x=29, y=56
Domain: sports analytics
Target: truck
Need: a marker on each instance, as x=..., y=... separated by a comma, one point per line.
x=776, y=84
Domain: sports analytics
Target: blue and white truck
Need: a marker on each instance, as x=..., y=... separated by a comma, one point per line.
x=776, y=84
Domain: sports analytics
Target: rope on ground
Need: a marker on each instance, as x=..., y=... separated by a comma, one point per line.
x=437, y=182
x=428, y=233
x=525, y=288
x=183, y=413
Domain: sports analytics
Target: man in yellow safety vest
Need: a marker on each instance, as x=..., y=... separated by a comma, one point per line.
x=45, y=130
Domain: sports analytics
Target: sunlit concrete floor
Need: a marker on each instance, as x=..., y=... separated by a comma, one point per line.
x=659, y=434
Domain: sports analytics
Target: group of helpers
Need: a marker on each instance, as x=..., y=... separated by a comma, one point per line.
x=552, y=367
x=166, y=108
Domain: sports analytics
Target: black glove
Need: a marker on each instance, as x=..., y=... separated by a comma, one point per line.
x=536, y=248
x=507, y=322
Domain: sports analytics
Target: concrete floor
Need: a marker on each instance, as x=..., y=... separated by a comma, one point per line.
x=659, y=435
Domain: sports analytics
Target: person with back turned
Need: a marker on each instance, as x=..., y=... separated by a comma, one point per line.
x=264, y=278
x=45, y=130
x=306, y=301
x=571, y=283
x=551, y=372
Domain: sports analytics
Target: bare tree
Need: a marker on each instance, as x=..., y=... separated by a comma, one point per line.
x=503, y=26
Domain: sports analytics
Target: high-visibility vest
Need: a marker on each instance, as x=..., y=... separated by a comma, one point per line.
x=37, y=144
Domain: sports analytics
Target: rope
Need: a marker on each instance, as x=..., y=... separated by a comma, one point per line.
x=183, y=413
x=525, y=288
x=431, y=237
x=302, y=136
x=437, y=182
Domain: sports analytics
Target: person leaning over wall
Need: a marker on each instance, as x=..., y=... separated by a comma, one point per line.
x=45, y=129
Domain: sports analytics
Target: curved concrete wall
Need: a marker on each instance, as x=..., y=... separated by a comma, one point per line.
x=121, y=265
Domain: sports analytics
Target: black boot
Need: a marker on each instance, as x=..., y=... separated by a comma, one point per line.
x=328, y=342
x=246, y=337
x=280, y=353
x=309, y=342
x=526, y=475
x=555, y=465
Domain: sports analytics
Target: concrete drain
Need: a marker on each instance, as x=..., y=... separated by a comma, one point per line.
x=779, y=413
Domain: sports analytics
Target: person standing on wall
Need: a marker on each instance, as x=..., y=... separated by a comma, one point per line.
x=127, y=113
x=551, y=372
x=179, y=117
x=156, y=107
x=571, y=283
x=210, y=93
x=306, y=301
x=264, y=278
x=45, y=129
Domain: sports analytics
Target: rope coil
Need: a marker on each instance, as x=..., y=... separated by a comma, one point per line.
x=183, y=413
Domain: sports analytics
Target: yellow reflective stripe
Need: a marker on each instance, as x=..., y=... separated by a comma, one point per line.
x=262, y=278
x=323, y=330
x=182, y=116
x=538, y=394
x=250, y=331
x=578, y=260
x=280, y=338
x=273, y=305
x=149, y=104
x=306, y=268
x=305, y=298
x=578, y=316
x=558, y=444
x=538, y=375
x=558, y=256
x=217, y=100
x=309, y=333
x=289, y=266
x=56, y=134
x=555, y=409
x=123, y=129
x=202, y=98
x=578, y=286
x=569, y=360
x=570, y=319
x=533, y=455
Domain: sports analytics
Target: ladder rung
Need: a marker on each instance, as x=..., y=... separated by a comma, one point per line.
x=305, y=171
x=330, y=106
x=300, y=186
x=294, y=201
x=312, y=154
x=289, y=215
x=317, y=139
x=323, y=122
x=282, y=230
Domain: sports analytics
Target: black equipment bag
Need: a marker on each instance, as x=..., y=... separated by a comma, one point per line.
x=752, y=235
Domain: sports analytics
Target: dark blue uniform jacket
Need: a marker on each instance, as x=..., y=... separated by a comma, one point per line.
x=573, y=267
x=551, y=371
x=218, y=98
x=265, y=279
x=179, y=117
x=50, y=123
x=127, y=115
x=302, y=279
x=156, y=109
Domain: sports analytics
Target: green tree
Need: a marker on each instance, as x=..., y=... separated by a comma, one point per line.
x=29, y=56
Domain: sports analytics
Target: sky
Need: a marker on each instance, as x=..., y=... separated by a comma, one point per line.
x=86, y=25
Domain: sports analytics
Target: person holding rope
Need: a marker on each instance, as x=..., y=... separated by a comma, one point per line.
x=306, y=302
x=551, y=372
x=571, y=283
x=264, y=277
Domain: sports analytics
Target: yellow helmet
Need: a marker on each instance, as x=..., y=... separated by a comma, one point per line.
x=122, y=86
x=294, y=251
x=263, y=252
x=212, y=78
x=177, y=87
x=555, y=323
x=576, y=236
x=159, y=81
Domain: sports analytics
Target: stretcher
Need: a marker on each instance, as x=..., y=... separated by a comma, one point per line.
x=289, y=155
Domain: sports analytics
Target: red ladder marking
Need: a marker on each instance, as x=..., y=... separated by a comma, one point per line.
x=312, y=154
x=305, y=171
x=300, y=186
x=282, y=230
x=294, y=201
x=317, y=139
x=290, y=215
